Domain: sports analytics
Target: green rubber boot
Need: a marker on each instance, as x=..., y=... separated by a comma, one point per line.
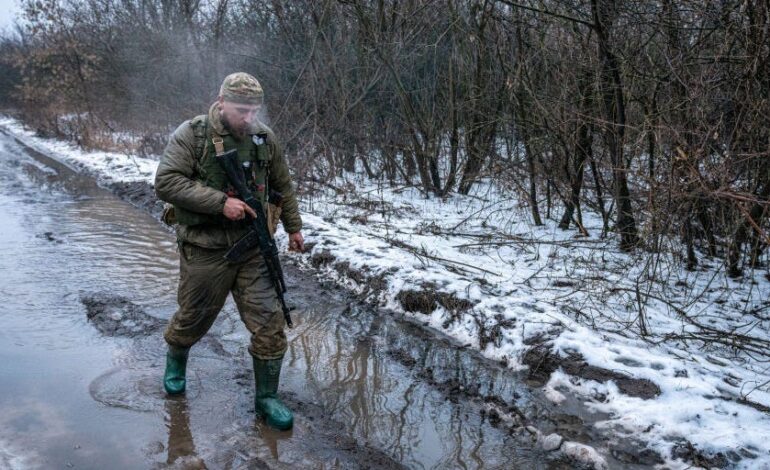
x=266, y=402
x=174, y=380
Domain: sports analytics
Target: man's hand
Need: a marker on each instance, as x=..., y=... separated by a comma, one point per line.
x=235, y=209
x=296, y=242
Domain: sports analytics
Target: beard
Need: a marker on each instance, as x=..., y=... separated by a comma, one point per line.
x=239, y=133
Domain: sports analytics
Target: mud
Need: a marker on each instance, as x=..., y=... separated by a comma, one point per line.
x=322, y=258
x=417, y=301
x=372, y=284
x=139, y=194
x=635, y=387
x=114, y=315
x=543, y=362
x=644, y=457
x=428, y=298
x=687, y=452
x=425, y=300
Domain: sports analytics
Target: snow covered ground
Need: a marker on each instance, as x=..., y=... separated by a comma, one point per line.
x=476, y=268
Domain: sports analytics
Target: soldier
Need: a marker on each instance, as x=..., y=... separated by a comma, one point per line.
x=209, y=221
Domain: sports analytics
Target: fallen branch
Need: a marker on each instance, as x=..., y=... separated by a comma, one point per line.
x=423, y=253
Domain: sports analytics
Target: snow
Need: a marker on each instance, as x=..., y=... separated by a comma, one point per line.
x=107, y=166
x=579, y=295
x=583, y=453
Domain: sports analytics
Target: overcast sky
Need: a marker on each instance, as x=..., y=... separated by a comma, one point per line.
x=8, y=10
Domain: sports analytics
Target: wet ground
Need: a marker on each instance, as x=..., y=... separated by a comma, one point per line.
x=88, y=283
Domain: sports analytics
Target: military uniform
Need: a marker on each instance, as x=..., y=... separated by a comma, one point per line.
x=189, y=178
x=205, y=277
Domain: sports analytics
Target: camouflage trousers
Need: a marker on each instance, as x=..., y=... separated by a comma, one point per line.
x=205, y=280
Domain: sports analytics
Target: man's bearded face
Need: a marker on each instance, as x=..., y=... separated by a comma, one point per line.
x=238, y=117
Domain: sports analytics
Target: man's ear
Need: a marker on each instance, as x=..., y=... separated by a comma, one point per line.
x=220, y=100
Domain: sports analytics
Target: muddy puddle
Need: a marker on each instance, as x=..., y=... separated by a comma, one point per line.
x=88, y=283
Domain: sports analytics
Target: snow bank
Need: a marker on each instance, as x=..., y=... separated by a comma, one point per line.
x=106, y=166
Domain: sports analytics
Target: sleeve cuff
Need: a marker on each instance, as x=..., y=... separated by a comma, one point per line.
x=222, y=202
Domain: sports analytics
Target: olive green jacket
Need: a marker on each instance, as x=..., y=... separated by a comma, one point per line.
x=176, y=182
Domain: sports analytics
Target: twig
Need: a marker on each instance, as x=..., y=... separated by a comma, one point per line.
x=531, y=241
x=423, y=253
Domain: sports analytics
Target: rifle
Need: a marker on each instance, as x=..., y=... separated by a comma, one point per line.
x=258, y=234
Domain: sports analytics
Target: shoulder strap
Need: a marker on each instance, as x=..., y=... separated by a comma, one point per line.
x=200, y=126
x=219, y=143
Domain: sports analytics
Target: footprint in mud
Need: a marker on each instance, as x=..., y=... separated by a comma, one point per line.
x=630, y=362
x=134, y=389
x=114, y=315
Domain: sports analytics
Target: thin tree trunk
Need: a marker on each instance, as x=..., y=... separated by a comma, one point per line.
x=611, y=88
x=582, y=153
x=755, y=217
x=600, y=197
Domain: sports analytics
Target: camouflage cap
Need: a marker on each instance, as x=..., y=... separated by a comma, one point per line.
x=240, y=87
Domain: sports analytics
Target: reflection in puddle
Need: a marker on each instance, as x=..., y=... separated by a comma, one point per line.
x=180, y=439
x=369, y=372
x=272, y=437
